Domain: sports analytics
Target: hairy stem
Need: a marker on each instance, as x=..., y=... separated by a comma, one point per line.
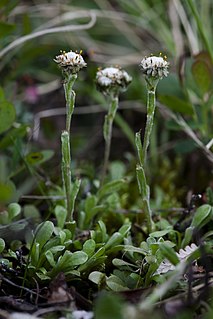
x=109, y=118
x=71, y=190
x=70, y=98
x=149, y=122
x=142, y=154
x=66, y=173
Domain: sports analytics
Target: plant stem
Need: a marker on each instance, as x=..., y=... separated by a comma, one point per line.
x=66, y=172
x=149, y=122
x=109, y=118
x=142, y=154
x=70, y=98
x=145, y=194
x=65, y=146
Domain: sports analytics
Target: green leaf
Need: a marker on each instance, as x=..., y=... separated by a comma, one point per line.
x=75, y=190
x=114, y=240
x=61, y=214
x=14, y=133
x=14, y=210
x=139, y=147
x=103, y=231
x=90, y=203
x=117, y=170
x=125, y=229
x=161, y=233
x=115, y=283
x=202, y=216
x=202, y=74
x=2, y=245
x=44, y=232
x=69, y=261
x=93, y=262
x=35, y=254
x=7, y=115
x=176, y=104
x=133, y=249
x=141, y=179
x=63, y=263
x=110, y=188
x=97, y=277
x=7, y=191
x=95, y=210
x=169, y=253
x=121, y=263
x=78, y=258
x=56, y=249
x=43, y=276
x=187, y=237
x=89, y=247
x=50, y=258
x=31, y=211
x=37, y=158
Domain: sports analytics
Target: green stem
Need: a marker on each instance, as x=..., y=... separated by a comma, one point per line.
x=70, y=190
x=149, y=122
x=145, y=194
x=66, y=173
x=109, y=118
x=70, y=98
x=142, y=153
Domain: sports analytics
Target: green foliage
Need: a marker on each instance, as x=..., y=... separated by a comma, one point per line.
x=108, y=246
x=11, y=213
x=202, y=216
x=7, y=112
x=2, y=245
x=102, y=309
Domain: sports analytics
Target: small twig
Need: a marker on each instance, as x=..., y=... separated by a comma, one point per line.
x=209, y=144
x=37, y=291
x=187, y=129
x=18, y=286
x=195, y=289
x=78, y=111
x=37, y=34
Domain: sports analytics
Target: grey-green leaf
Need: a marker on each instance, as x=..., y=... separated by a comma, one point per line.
x=14, y=210
x=202, y=216
x=44, y=232
x=110, y=187
x=2, y=245
x=7, y=115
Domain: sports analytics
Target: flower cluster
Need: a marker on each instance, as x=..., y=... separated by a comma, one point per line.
x=112, y=79
x=70, y=62
x=182, y=255
x=155, y=67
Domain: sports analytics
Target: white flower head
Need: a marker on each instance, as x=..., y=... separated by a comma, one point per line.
x=155, y=67
x=70, y=61
x=182, y=255
x=112, y=79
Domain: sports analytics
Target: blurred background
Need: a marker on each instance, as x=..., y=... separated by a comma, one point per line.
x=116, y=32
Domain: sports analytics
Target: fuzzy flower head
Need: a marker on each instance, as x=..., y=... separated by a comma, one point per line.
x=111, y=80
x=70, y=62
x=155, y=67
